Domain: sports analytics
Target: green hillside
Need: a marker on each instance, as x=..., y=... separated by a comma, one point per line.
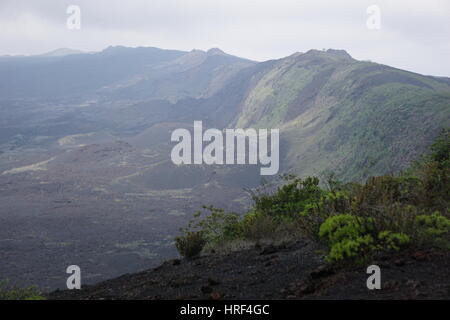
x=352, y=117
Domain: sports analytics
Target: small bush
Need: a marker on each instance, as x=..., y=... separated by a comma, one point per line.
x=288, y=200
x=355, y=249
x=315, y=213
x=217, y=226
x=191, y=244
x=257, y=227
x=351, y=237
x=213, y=230
x=433, y=229
x=346, y=238
x=341, y=227
x=393, y=241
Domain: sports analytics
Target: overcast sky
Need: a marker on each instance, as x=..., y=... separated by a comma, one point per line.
x=414, y=34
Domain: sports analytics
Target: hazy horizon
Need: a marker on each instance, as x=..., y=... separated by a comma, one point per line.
x=413, y=35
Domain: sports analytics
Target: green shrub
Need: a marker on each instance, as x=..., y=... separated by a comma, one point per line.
x=315, y=213
x=217, y=226
x=346, y=237
x=256, y=226
x=341, y=227
x=433, y=229
x=290, y=199
x=395, y=217
x=14, y=293
x=392, y=240
x=190, y=244
x=386, y=190
x=351, y=237
x=355, y=249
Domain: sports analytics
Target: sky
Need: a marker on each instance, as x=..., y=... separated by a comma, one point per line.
x=409, y=34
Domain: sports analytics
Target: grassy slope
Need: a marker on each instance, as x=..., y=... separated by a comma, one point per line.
x=355, y=118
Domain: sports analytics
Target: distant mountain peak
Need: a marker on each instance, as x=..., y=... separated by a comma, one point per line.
x=115, y=49
x=214, y=51
x=333, y=54
x=61, y=52
x=341, y=53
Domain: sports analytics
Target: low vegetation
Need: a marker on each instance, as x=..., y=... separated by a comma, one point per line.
x=353, y=221
x=8, y=292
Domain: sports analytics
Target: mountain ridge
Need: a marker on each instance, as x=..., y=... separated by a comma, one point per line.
x=313, y=97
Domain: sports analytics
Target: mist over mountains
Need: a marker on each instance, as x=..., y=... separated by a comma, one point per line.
x=85, y=167
x=335, y=113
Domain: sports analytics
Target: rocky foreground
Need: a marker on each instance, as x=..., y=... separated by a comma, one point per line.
x=289, y=271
